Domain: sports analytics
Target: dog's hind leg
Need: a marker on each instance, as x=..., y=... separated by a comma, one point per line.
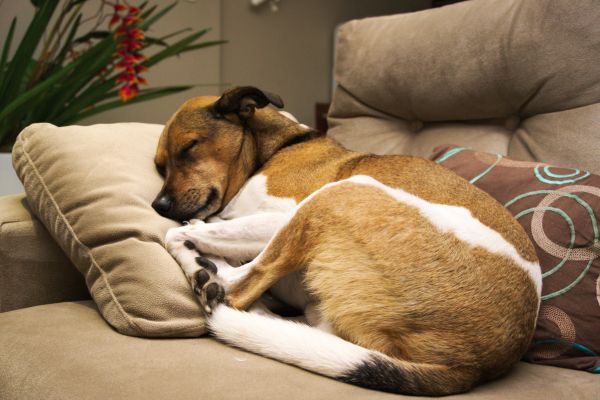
x=245, y=284
x=286, y=253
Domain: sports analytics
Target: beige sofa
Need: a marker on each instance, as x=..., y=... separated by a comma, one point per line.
x=517, y=77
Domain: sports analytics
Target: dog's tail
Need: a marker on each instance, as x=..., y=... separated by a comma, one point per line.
x=317, y=351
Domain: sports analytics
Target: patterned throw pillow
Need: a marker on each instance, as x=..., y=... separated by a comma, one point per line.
x=558, y=208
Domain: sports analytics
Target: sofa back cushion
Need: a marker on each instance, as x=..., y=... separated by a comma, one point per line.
x=515, y=77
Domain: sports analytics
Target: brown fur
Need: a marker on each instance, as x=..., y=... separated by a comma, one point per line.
x=385, y=277
x=389, y=281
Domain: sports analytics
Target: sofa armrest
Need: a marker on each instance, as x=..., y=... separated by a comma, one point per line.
x=33, y=269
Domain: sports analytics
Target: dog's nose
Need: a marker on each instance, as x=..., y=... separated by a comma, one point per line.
x=162, y=204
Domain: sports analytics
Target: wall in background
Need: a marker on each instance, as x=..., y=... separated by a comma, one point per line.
x=289, y=52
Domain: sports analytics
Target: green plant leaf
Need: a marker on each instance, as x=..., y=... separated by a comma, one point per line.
x=146, y=13
x=151, y=41
x=31, y=96
x=26, y=49
x=5, y=51
x=73, y=3
x=175, y=48
x=91, y=95
x=173, y=34
x=151, y=19
x=144, y=95
x=60, y=58
x=202, y=45
x=92, y=35
x=91, y=63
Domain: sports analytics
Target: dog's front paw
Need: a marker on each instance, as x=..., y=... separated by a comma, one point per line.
x=207, y=285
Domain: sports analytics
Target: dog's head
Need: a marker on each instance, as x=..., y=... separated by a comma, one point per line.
x=211, y=146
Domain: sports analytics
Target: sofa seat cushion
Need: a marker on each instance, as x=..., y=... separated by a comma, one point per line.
x=92, y=188
x=67, y=351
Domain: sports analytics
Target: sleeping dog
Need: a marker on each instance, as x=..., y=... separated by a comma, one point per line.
x=413, y=280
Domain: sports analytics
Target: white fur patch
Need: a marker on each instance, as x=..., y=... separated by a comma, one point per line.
x=457, y=220
x=239, y=239
x=287, y=341
x=253, y=199
x=289, y=115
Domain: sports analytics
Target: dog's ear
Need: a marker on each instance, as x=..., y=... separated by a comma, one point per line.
x=244, y=100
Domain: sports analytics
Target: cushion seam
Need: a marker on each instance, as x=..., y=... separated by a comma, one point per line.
x=76, y=239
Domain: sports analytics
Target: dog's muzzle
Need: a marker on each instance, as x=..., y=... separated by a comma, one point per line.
x=188, y=206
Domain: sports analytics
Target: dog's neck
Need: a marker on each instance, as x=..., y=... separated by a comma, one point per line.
x=264, y=137
x=275, y=132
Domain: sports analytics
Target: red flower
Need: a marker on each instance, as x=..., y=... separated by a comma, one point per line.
x=136, y=33
x=129, y=37
x=127, y=92
x=115, y=18
x=130, y=19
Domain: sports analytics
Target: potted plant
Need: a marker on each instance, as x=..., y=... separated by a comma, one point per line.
x=67, y=75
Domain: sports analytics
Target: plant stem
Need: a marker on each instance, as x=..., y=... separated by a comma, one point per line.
x=40, y=65
x=64, y=30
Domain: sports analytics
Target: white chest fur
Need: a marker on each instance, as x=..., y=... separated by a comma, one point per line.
x=254, y=199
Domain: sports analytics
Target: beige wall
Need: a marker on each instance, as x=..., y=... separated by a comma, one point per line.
x=288, y=52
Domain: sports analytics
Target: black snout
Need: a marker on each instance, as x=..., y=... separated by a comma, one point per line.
x=162, y=204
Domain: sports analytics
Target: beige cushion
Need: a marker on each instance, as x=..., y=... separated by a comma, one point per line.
x=515, y=77
x=92, y=188
x=66, y=351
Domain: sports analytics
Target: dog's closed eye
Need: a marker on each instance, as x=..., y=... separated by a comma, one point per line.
x=185, y=151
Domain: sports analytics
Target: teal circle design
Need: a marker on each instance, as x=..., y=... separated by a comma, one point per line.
x=590, y=212
x=449, y=154
x=578, y=199
x=550, y=173
x=488, y=169
x=571, y=234
x=557, y=177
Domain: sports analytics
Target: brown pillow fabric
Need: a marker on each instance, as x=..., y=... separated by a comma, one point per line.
x=559, y=209
x=92, y=188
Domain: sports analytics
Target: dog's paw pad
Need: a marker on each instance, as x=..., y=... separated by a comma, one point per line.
x=215, y=292
x=207, y=264
x=208, y=287
x=201, y=278
x=189, y=245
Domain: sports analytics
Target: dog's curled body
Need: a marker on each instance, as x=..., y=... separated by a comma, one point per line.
x=424, y=285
